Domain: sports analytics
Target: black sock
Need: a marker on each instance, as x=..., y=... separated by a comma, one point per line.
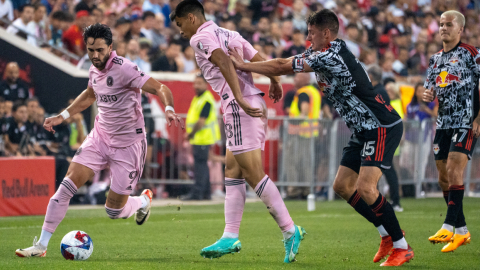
x=392, y=181
x=363, y=209
x=460, y=217
x=385, y=213
x=455, y=205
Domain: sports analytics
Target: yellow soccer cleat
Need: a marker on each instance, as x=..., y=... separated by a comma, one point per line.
x=442, y=236
x=457, y=240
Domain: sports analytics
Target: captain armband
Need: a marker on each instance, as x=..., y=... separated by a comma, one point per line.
x=297, y=65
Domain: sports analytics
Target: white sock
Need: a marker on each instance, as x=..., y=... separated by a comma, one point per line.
x=402, y=243
x=461, y=230
x=382, y=231
x=289, y=232
x=145, y=201
x=44, y=238
x=447, y=227
x=229, y=235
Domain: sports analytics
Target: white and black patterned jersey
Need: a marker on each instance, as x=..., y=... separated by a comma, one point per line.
x=454, y=77
x=345, y=82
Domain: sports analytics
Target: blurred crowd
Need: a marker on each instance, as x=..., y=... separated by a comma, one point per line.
x=399, y=35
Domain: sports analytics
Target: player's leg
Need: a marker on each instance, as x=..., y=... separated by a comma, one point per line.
x=235, y=196
x=76, y=177
x=392, y=180
x=126, y=167
x=251, y=166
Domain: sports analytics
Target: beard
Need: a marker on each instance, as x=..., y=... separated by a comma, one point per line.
x=102, y=63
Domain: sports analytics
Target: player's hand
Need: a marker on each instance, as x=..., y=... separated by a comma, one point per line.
x=429, y=95
x=50, y=122
x=236, y=58
x=171, y=116
x=253, y=112
x=476, y=127
x=275, y=92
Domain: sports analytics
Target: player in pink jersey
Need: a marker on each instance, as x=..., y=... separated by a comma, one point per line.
x=117, y=139
x=245, y=126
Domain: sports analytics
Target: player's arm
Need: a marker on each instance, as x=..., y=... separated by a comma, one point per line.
x=223, y=62
x=83, y=101
x=274, y=67
x=154, y=87
x=275, y=91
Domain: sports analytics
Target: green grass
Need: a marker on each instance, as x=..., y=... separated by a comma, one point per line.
x=338, y=238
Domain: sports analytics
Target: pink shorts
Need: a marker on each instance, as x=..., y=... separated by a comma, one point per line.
x=126, y=164
x=245, y=133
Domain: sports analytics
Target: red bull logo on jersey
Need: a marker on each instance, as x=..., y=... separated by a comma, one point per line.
x=444, y=79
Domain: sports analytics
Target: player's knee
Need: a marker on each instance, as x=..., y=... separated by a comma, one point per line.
x=343, y=189
x=366, y=191
x=113, y=213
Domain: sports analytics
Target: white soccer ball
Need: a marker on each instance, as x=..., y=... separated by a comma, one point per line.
x=76, y=246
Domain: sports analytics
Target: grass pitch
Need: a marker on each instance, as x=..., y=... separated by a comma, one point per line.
x=338, y=238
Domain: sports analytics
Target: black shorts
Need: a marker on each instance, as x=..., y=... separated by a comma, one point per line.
x=453, y=140
x=374, y=147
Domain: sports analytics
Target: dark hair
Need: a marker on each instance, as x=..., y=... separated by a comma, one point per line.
x=21, y=8
x=325, y=18
x=59, y=15
x=2, y=99
x=98, y=31
x=69, y=17
x=30, y=100
x=414, y=100
x=38, y=5
x=200, y=75
x=185, y=7
x=147, y=14
x=17, y=104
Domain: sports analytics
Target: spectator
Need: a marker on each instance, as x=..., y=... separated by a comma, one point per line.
x=122, y=27
x=19, y=26
x=299, y=15
x=121, y=48
x=133, y=54
x=16, y=137
x=37, y=27
x=13, y=88
x=351, y=39
x=113, y=6
x=400, y=65
x=7, y=108
x=152, y=6
x=298, y=45
x=171, y=60
x=73, y=37
x=239, y=11
x=6, y=10
x=148, y=24
x=135, y=31
x=32, y=107
x=98, y=15
x=88, y=5
x=159, y=41
x=262, y=8
x=58, y=24
x=41, y=136
x=418, y=109
x=190, y=64
x=245, y=29
x=210, y=8
x=287, y=33
x=368, y=57
x=263, y=30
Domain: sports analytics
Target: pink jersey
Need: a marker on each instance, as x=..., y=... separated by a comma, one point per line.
x=117, y=89
x=210, y=37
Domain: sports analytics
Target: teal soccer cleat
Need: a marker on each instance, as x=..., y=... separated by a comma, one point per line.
x=292, y=244
x=222, y=247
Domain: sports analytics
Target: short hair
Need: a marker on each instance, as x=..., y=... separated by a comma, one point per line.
x=325, y=18
x=375, y=72
x=17, y=104
x=36, y=6
x=98, y=31
x=147, y=14
x=185, y=7
x=59, y=15
x=458, y=16
x=200, y=75
x=2, y=99
x=23, y=7
x=31, y=99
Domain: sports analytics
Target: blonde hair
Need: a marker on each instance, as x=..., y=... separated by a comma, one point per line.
x=458, y=16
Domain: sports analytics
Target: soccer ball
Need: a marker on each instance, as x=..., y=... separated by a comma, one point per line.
x=76, y=246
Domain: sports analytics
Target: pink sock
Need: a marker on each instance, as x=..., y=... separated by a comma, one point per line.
x=132, y=205
x=268, y=192
x=234, y=204
x=58, y=205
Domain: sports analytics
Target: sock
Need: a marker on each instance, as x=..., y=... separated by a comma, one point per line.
x=44, y=238
x=289, y=233
x=460, y=222
x=229, y=235
x=268, y=193
x=461, y=230
x=382, y=231
x=235, y=196
x=402, y=243
x=455, y=201
x=384, y=211
x=363, y=209
x=144, y=200
x=447, y=227
x=132, y=205
x=58, y=206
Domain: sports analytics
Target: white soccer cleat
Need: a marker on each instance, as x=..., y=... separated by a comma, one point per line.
x=38, y=250
x=397, y=208
x=143, y=213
